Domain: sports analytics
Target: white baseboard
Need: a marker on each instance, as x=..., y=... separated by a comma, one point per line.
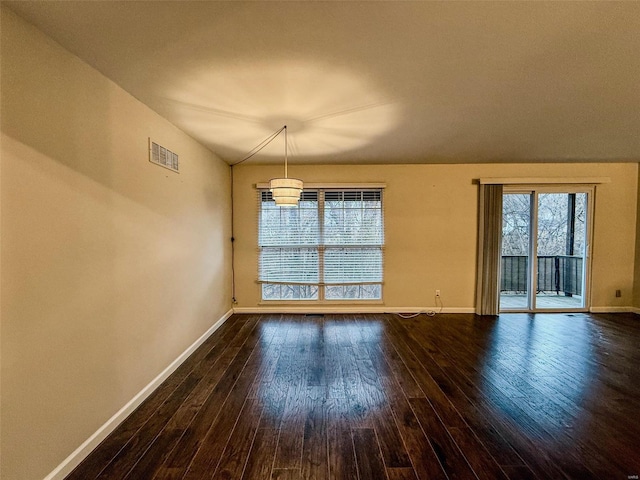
x=302, y=309
x=348, y=309
x=73, y=460
x=612, y=309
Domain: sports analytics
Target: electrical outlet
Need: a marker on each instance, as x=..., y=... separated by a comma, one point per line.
x=437, y=293
x=618, y=293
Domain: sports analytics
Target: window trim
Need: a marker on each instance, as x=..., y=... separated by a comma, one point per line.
x=333, y=186
x=321, y=189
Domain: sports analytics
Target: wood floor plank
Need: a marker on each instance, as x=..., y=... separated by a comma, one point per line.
x=400, y=371
x=316, y=375
x=371, y=367
x=293, y=374
x=188, y=445
x=501, y=402
x=401, y=474
x=368, y=456
x=291, y=437
x=394, y=452
x=274, y=386
x=513, y=397
x=412, y=355
x=393, y=449
x=274, y=402
x=215, y=442
x=497, y=410
x=481, y=461
x=276, y=329
x=358, y=394
x=236, y=454
x=451, y=458
x=260, y=460
x=423, y=457
x=315, y=464
x=518, y=472
x=335, y=382
x=167, y=439
x=341, y=456
x=346, y=397
x=126, y=458
x=479, y=421
x=286, y=474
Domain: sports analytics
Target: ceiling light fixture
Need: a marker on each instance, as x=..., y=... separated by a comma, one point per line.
x=285, y=191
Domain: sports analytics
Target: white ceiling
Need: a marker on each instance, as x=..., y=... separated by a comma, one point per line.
x=373, y=82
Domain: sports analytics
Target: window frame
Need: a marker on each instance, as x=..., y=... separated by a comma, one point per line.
x=322, y=246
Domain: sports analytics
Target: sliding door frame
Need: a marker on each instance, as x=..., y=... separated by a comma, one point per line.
x=532, y=271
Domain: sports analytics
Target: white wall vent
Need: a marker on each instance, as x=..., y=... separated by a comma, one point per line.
x=163, y=156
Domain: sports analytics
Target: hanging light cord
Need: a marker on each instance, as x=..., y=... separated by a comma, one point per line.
x=251, y=153
x=263, y=144
x=234, y=301
x=285, y=151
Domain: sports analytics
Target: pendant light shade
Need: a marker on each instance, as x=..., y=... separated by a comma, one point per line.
x=285, y=191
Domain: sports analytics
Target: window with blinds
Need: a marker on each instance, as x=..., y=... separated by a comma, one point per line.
x=328, y=247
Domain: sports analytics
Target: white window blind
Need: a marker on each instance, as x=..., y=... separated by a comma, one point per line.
x=329, y=247
x=288, y=240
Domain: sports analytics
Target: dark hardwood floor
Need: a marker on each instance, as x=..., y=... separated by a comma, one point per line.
x=519, y=396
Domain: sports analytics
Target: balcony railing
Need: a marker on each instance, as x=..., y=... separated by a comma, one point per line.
x=559, y=273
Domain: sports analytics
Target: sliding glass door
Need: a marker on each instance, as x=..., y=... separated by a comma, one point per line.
x=544, y=264
x=515, y=276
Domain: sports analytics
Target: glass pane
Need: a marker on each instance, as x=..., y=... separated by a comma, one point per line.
x=272, y=291
x=353, y=292
x=516, y=227
x=561, y=248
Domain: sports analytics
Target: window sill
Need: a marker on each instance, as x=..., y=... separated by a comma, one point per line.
x=320, y=302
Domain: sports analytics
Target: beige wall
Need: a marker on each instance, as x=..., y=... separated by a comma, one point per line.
x=431, y=224
x=111, y=266
x=636, y=291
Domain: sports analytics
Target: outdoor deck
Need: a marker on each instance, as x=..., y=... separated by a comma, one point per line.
x=510, y=301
